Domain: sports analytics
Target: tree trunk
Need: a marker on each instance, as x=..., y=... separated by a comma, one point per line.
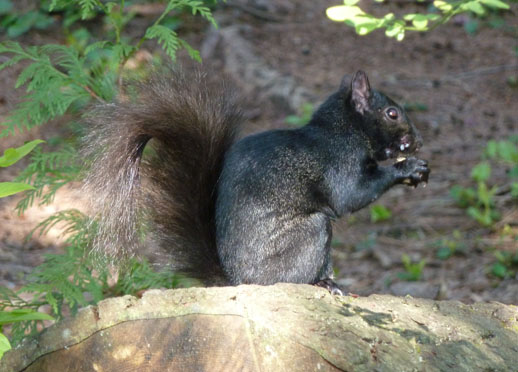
x=284, y=327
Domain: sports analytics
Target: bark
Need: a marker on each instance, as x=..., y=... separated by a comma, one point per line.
x=284, y=327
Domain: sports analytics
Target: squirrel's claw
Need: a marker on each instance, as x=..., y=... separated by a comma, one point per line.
x=331, y=286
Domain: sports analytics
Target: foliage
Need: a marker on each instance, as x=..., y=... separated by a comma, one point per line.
x=380, y=213
x=59, y=77
x=62, y=80
x=14, y=316
x=480, y=201
x=69, y=281
x=440, y=12
x=506, y=265
x=10, y=157
x=306, y=111
x=448, y=247
x=413, y=271
x=18, y=23
x=48, y=172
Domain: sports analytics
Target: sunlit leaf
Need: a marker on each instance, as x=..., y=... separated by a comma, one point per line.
x=342, y=13
x=12, y=155
x=11, y=188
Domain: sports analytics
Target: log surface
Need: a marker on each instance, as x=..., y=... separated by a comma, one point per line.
x=285, y=327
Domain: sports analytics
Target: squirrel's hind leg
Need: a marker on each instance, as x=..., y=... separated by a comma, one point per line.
x=330, y=285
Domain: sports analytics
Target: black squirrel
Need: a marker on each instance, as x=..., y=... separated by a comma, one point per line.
x=252, y=211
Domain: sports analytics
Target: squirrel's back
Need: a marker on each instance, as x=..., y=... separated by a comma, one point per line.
x=189, y=122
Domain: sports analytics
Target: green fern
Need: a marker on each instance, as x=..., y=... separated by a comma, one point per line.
x=196, y=7
x=76, y=278
x=167, y=38
x=48, y=172
x=50, y=91
x=87, y=6
x=139, y=275
x=58, y=80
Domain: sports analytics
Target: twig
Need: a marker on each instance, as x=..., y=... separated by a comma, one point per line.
x=92, y=93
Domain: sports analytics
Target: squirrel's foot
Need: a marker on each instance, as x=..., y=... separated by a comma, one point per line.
x=330, y=285
x=413, y=171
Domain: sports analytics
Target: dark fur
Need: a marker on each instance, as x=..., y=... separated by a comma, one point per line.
x=258, y=210
x=192, y=123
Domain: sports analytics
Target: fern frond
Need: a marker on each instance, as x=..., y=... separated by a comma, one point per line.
x=54, y=80
x=48, y=172
x=139, y=275
x=64, y=278
x=166, y=38
x=68, y=59
x=72, y=219
x=123, y=50
x=193, y=53
x=87, y=6
x=196, y=7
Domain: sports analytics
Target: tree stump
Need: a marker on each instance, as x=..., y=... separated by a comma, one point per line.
x=285, y=327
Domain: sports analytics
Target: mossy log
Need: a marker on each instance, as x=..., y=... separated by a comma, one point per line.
x=284, y=327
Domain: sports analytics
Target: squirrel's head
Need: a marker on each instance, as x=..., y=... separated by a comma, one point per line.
x=385, y=123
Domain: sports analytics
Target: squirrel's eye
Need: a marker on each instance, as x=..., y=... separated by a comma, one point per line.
x=392, y=113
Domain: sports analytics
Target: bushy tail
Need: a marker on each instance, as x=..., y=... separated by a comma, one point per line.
x=189, y=123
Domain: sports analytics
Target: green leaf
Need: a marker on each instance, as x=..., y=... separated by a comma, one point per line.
x=365, y=24
x=409, y=17
x=495, y=4
x=11, y=188
x=12, y=155
x=507, y=151
x=432, y=17
x=22, y=24
x=43, y=21
x=21, y=315
x=380, y=213
x=463, y=196
x=4, y=345
x=420, y=22
x=482, y=218
x=342, y=13
x=481, y=172
x=396, y=30
x=443, y=6
x=444, y=253
x=491, y=148
x=499, y=270
x=475, y=7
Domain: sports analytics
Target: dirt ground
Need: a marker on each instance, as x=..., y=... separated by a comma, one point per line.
x=283, y=53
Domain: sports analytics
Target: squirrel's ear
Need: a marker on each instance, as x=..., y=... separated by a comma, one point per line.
x=360, y=91
x=346, y=82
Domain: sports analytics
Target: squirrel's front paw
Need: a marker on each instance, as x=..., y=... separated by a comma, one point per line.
x=413, y=171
